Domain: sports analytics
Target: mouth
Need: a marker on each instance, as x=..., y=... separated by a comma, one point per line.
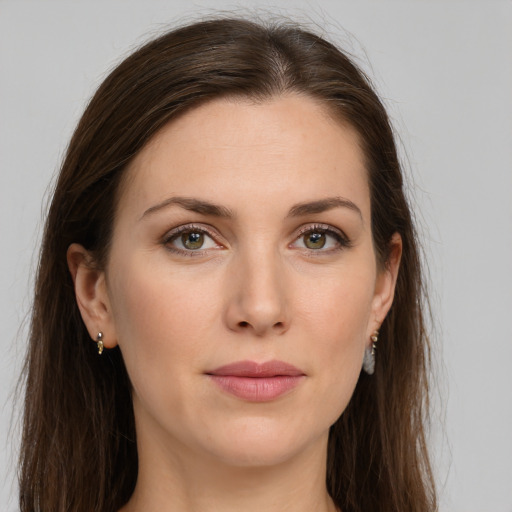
x=257, y=382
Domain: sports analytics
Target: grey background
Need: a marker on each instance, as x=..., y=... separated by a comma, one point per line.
x=445, y=71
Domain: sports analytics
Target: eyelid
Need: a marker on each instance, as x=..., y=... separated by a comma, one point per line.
x=190, y=227
x=326, y=228
x=342, y=239
x=201, y=228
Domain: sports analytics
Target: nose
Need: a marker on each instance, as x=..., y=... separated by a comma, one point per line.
x=257, y=295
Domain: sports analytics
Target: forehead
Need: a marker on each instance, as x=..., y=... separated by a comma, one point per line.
x=234, y=149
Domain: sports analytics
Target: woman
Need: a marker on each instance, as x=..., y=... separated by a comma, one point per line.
x=228, y=309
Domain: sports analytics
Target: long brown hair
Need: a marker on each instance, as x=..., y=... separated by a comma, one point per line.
x=79, y=447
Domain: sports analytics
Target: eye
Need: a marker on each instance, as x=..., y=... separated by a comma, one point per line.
x=315, y=240
x=321, y=238
x=189, y=239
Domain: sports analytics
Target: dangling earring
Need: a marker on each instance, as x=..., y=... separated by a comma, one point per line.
x=99, y=342
x=369, y=354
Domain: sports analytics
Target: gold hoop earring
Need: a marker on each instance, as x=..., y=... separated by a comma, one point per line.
x=99, y=342
x=369, y=354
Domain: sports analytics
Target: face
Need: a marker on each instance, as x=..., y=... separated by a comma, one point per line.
x=242, y=285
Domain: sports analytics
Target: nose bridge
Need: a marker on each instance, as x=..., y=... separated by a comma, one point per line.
x=259, y=293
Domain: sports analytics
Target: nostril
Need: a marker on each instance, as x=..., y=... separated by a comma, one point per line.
x=245, y=325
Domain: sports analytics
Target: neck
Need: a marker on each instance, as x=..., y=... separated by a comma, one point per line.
x=182, y=481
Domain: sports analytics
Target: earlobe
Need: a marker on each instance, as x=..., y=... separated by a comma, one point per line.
x=386, y=282
x=91, y=295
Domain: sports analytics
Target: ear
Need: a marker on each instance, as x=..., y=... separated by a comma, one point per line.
x=385, y=284
x=91, y=294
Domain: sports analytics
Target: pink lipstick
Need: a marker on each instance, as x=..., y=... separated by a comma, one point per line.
x=257, y=382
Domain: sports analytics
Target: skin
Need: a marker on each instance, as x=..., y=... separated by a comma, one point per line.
x=255, y=291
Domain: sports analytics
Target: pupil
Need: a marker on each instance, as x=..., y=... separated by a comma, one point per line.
x=315, y=240
x=192, y=240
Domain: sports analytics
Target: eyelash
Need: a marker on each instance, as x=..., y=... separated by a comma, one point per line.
x=338, y=235
x=187, y=228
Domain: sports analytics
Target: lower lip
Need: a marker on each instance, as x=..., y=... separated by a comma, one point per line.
x=257, y=389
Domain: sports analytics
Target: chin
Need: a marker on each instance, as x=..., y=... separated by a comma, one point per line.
x=263, y=443
x=255, y=455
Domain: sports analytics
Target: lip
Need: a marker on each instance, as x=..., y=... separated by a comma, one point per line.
x=257, y=382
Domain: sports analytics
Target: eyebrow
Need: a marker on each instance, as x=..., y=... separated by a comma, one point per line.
x=207, y=208
x=194, y=205
x=322, y=205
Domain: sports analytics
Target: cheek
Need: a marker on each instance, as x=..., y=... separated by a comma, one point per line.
x=336, y=320
x=338, y=310
x=162, y=319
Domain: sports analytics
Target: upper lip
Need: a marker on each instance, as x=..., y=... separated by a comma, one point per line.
x=253, y=369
